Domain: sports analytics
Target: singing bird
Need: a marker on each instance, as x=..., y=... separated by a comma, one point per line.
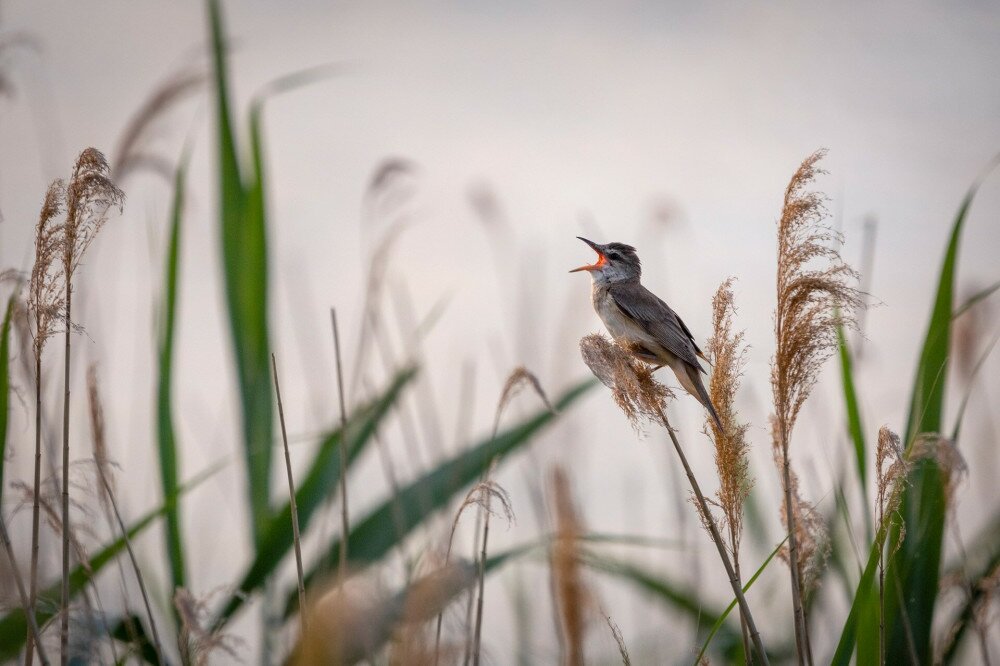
x=641, y=322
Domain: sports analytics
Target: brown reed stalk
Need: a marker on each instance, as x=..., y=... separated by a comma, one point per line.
x=28, y=610
x=805, y=328
x=101, y=463
x=296, y=540
x=89, y=196
x=344, y=521
x=45, y=304
x=728, y=354
x=640, y=396
x=571, y=595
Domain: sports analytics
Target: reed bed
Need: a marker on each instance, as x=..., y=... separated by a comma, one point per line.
x=407, y=575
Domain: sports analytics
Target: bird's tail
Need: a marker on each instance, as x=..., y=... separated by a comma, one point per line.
x=694, y=382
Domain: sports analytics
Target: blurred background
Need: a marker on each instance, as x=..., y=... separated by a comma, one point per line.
x=505, y=131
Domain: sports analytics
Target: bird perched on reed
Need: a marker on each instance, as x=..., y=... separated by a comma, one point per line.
x=641, y=322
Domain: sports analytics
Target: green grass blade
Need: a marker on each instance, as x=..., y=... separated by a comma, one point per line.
x=14, y=625
x=4, y=384
x=129, y=630
x=673, y=596
x=166, y=437
x=914, y=568
x=729, y=609
x=855, y=428
x=244, y=250
x=319, y=482
x=390, y=522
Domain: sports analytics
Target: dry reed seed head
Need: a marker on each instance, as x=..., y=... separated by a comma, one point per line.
x=518, y=379
x=809, y=299
x=572, y=596
x=90, y=194
x=46, y=285
x=728, y=354
x=194, y=635
x=811, y=535
x=633, y=387
x=616, y=633
x=348, y=622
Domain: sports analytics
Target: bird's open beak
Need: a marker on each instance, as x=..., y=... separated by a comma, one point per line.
x=601, y=259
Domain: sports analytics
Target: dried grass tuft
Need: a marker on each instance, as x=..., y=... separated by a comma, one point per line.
x=90, y=195
x=195, y=635
x=518, y=379
x=946, y=456
x=571, y=595
x=812, y=302
x=728, y=354
x=47, y=282
x=815, y=295
x=810, y=533
x=616, y=632
x=633, y=387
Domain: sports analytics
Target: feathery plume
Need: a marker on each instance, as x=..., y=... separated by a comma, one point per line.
x=805, y=330
x=571, y=596
x=633, y=387
x=728, y=354
x=890, y=470
x=639, y=395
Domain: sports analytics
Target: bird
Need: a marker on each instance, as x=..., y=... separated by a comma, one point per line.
x=641, y=322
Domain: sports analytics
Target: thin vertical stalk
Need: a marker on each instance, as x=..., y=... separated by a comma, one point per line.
x=291, y=499
x=35, y=511
x=801, y=646
x=64, y=605
x=344, y=520
x=28, y=612
x=135, y=564
x=719, y=544
x=477, y=641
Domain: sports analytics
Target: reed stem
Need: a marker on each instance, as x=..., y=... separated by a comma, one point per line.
x=291, y=500
x=719, y=543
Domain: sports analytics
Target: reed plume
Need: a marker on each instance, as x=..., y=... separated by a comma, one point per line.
x=809, y=299
x=728, y=354
x=890, y=470
x=89, y=196
x=45, y=305
x=640, y=396
x=571, y=596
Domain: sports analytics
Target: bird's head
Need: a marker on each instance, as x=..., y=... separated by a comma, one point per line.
x=616, y=262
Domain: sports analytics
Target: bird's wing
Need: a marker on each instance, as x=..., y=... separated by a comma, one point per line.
x=657, y=319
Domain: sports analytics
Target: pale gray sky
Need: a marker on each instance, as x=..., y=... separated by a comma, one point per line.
x=580, y=118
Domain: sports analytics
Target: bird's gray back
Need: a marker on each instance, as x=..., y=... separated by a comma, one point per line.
x=657, y=319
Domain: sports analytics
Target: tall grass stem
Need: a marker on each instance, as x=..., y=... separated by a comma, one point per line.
x=344, y=516
x=719, y=543
x=291, y=499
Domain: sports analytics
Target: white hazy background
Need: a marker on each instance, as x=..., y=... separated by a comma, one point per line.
x=668, y=126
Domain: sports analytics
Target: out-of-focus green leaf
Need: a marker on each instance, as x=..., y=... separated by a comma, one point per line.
x=130, y=631
x=390, y=522
x=971, y=301
x=854, y=426
x=14, y=624
x=980, y=558
x=913, y=570
x=320, y=481
x=674, y=596
x=165, y=435
x=729, y=609
x=4, y=383
x=242, y=216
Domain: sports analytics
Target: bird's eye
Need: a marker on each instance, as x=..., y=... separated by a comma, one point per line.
x=614, y=255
